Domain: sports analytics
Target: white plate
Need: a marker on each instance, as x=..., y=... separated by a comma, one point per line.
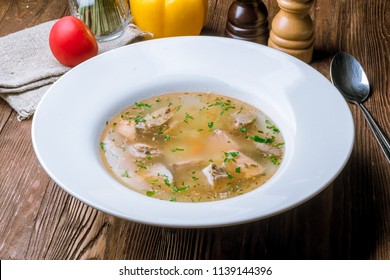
x=314, y=118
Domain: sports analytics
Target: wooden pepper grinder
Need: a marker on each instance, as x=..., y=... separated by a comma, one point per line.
x=292, y=29
x=247, y=20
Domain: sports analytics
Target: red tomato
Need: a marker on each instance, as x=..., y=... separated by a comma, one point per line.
x=71, y=41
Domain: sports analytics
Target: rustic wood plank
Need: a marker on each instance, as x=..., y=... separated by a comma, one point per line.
x=22, y=184
x=5, y=114
x=19, y=14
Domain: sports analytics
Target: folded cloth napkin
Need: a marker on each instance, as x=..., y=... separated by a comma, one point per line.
x=28, y=68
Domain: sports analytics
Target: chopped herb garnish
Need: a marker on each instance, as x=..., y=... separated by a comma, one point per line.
x=157, y=100
x=166, y=181
x=195, y=178
x=274, y=159
x=167, y=137
x=176, y=189
x=150, y=193
x=238, y=170
x=142, y=166
x=262, y=140
x=217, y=104
x=188, y=116
x=103, y=146
x=153, y=181
x=230, y=176
x=210, y=125
x=143, y=105
x=126, y=174
x=272, y=127
x=279, y=145
x=176, y=150
x=230, y=156
x=234, y=154
x=225, y=106
x=243, y=129
x=139, y=119
x=149, y=158
x=123, y=148
x=172, y=199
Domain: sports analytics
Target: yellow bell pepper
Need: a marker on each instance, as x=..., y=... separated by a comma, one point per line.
x=166, y=18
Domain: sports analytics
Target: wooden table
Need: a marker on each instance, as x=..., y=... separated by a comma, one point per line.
x=350, y=219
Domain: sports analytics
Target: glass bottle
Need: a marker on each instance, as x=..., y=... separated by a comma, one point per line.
x=107, y=19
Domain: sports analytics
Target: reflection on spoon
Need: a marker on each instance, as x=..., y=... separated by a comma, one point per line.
x=350, y=79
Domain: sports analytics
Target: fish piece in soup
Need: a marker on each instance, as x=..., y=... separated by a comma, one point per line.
x=243, y=119
x=156, y=119
x=214, y=173
x=221, y=141
x=141, y=150
x=189, y=164
x=243, y=166
x=126, y=129
x=160, y=172
x=268, y=149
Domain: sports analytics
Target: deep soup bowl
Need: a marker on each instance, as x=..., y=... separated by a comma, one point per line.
x=314, y=119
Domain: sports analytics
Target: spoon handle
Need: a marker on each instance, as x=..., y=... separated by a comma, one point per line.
x=379, y=135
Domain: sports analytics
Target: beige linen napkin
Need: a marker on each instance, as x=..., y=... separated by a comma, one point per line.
x=28, y=68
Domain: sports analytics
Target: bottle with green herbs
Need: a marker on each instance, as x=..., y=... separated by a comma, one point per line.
x=107, y=19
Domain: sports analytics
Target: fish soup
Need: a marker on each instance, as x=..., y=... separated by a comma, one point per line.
x=191, y=147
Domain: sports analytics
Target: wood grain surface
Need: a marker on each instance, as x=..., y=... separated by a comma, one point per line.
x=350, y=219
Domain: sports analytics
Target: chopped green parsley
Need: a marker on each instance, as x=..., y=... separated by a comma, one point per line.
x=243, y=129
x=180, y=190
x=139, y=119
x=174, y=150
x=142, y=105
x=274, y=159
x=225, y=106
x=150, y=193
x=142, y=166
x=262, y=140
x=188, y=117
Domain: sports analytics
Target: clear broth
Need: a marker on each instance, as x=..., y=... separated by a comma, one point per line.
x=191, y=147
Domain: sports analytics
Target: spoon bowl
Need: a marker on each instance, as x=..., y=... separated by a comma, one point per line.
x=350, y=79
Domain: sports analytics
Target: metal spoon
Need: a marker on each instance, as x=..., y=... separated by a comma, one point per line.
x=350, y=79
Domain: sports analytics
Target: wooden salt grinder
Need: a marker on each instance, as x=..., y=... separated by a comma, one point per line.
x=247, y=20
x=292, y=29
